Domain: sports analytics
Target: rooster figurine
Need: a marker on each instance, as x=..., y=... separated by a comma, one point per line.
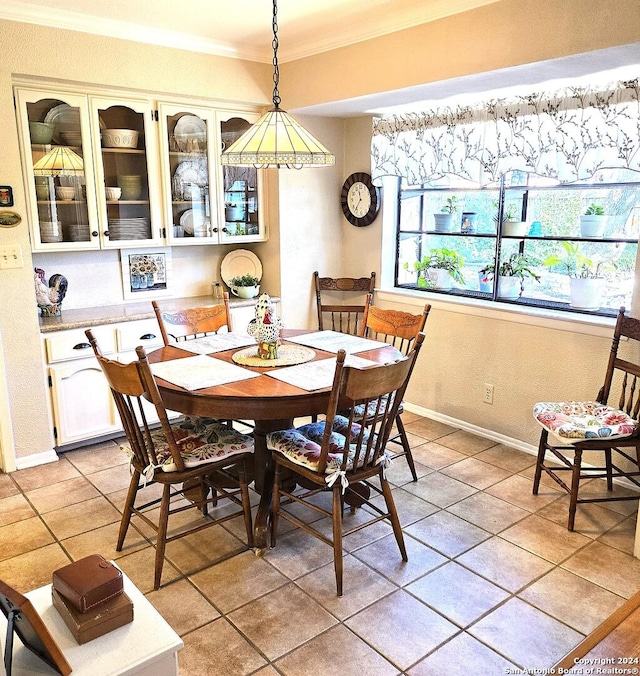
x=265, y=328
x=49, y=298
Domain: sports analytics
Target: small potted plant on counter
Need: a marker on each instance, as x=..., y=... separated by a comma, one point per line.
x=444, y=220
x=593, y=221
x=511, y=274
x=439, y=269
x=245, y=286
x=586, y=275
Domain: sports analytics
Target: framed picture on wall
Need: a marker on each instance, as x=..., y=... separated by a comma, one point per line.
x=146, y=273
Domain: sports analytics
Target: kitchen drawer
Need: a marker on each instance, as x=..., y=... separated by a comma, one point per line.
x=73, y=344
x=144, y=332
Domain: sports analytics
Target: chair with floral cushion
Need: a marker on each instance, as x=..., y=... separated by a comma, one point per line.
x=338, y=453
x=400, y=330
x=197, y=450
x=606, y=432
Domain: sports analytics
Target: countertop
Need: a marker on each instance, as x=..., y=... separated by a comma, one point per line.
x=127, y=312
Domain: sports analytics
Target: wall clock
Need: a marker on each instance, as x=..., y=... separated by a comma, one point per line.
x=360, y=199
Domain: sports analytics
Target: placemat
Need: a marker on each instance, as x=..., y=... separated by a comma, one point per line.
x=287, y=356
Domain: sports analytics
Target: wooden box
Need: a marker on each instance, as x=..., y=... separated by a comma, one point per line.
x=97, y=621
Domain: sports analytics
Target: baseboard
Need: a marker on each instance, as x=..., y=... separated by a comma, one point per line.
x=36, y=459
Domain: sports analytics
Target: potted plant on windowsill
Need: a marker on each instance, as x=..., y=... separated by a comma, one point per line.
x=245, y=286
x=512, y=226
x=439, y=269
x=511, y=274
x=444, y=220
x=587, y=275
x=593, y=221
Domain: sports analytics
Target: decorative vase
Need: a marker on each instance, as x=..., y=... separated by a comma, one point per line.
x=592, y=225
x=441, y=279
x=268, y=349
x=509, y=287
x=586, y=293
x=443, y=222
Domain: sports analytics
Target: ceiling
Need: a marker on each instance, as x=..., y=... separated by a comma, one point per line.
x=305, y=27
x=240, y=29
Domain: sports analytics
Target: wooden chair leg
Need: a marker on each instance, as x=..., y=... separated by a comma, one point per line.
x=128, y=508
x=161, y=539
x=246, y=504
x=393, y=515
x=609, y=466
x=407, y=448
x=575, y=484
x=542, y=447
x=336, y=513
x=275, y=504
x=204, y=494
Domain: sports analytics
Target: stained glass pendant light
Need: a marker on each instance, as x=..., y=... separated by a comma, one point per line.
x=276, y=139
x=59, y=161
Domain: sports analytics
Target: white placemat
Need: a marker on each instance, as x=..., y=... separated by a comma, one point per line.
x=332, y=341
x=215, y=343
x=316, y=375
x=196, y=373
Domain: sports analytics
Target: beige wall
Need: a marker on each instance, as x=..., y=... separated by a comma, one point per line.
x=464, y=349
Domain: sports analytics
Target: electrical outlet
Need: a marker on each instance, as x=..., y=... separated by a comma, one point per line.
x=487, y=397
x=11, y=256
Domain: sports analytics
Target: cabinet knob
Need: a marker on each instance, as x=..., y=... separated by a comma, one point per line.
x=224, y=229
x=148, y=336
x=106, y=233
x=82, y=346
x=215, y=230
x=94, y=233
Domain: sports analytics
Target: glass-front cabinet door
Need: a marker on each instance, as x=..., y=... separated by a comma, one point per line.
x=242, y=211
x=191, y=213
x=127, y=175
x=58, y=168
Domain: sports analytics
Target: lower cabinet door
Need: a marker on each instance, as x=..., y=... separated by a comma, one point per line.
x=83, y=407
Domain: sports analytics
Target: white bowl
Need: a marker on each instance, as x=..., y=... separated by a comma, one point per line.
x=65, y=194
x=120, y=138
x=113, y=193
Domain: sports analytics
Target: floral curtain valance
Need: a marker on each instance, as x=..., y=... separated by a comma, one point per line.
x=566, y=135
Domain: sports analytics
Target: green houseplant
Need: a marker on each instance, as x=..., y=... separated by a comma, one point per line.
x=587, y=275
x=444, y=220
x=438, y=269
x=593, y=221
x=512, y=273
x=245, y=286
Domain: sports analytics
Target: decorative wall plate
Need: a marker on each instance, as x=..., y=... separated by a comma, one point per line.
x=240, y=262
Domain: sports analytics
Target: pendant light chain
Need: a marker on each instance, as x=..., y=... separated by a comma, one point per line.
x=274, y=44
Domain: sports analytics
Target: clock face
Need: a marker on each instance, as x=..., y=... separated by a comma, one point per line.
x=360, y=199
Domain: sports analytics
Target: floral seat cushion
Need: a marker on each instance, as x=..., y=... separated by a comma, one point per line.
x=302, y=444
x=372, y=407
x=200, y=440
x=578, y=420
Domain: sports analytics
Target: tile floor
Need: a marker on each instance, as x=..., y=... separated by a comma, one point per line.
x=494, y=580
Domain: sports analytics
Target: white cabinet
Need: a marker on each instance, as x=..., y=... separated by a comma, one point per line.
x=146, y=172
x=81, y=400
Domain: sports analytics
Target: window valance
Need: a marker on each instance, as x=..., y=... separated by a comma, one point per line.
x=566, y=135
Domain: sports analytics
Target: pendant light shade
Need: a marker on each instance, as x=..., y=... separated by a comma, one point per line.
x=276, y=139
x=59, y=161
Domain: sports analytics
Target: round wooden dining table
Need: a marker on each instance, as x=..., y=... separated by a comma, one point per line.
x=270, y=403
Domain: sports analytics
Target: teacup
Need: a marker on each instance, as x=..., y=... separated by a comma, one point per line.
x=245, y=291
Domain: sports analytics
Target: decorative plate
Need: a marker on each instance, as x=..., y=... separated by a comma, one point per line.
x=193, y=221
x=65, y=119
x=240, y=262
x=190, y=133
x=188, y=172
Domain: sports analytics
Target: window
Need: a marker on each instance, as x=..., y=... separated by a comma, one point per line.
x=526, y=228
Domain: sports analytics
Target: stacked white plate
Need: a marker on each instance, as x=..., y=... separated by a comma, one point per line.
x=51, y=231
x=129, y=228
x=76, y=232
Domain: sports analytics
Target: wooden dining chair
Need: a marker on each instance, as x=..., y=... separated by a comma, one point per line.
x=338, y=452
x=174, y=455
x=345, y=316
x=606, y=432
x=193, y=322
x=400, y=330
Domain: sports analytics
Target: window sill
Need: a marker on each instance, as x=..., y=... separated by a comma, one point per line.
x=520, y=314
